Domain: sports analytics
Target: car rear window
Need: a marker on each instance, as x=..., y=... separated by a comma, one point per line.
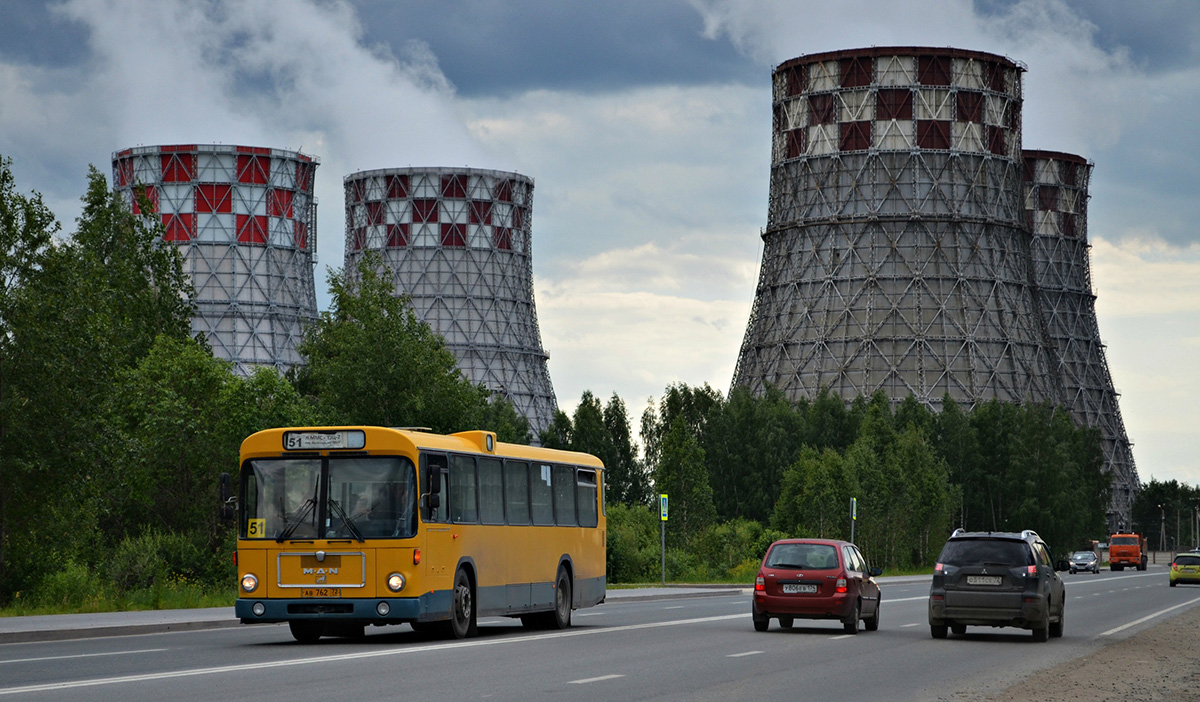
x=1187, y=560
x=966, y=552
x=802, y=557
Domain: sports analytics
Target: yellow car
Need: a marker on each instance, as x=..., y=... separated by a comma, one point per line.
x=1185, y=568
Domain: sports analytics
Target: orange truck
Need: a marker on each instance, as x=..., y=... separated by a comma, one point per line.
x=1126, y=550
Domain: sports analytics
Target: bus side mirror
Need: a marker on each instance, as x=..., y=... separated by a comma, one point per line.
x=435, y=480
x=435, y=500
x=228, y=502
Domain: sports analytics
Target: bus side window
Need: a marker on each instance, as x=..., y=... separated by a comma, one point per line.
x=585, y=491
x=564, y=496
x=516, y=492
x=491, y=491
x=438, y=461
x=463, y=506
x=541, y=494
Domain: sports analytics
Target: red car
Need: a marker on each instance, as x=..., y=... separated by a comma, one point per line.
x=816, y=579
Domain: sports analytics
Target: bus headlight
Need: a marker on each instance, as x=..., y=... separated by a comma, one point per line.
x=249, y=583
x=395, y=582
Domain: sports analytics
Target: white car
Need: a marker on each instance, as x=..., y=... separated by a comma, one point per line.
x=1084, y=560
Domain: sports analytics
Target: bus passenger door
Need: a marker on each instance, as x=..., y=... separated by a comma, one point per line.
x=436, y=523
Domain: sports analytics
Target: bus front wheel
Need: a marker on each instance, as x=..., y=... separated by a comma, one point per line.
x=462, y=613
x=306, y=631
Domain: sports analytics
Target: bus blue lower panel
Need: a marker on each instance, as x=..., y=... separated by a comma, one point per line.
x=504, y=600
x=432, y=605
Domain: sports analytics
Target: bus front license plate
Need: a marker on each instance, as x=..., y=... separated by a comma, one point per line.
x=321, y=592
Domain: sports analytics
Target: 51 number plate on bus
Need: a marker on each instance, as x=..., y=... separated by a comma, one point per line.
x=321, y=592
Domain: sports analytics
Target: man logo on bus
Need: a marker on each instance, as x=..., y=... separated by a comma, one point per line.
x=320, y=571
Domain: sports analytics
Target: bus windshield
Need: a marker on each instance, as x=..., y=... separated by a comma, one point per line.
x=333, y=498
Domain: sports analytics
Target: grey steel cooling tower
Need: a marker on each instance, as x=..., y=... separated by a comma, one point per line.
x=246, y=221
x=1056, y=195
x=894, y=256
x=458, y=243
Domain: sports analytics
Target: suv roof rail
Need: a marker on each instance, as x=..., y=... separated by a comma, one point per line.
x=958, y=532
x=1030, y=532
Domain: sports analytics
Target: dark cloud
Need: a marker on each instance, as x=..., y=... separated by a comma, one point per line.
x=494, y=49
x=32, y=33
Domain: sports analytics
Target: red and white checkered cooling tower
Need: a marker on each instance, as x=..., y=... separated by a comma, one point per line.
x=1056, y=196
x=894, y=257
x=912, y=248
x=458, y=243
x=245, y=219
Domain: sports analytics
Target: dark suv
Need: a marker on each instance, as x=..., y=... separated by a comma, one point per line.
x=997, y=579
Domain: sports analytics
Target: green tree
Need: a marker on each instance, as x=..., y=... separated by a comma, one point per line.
x=27, y=228
x=681, y=474
x=628, y=482
x=91, y=308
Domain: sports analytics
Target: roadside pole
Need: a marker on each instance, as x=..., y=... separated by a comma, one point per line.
x=853, y=516
x=662, y=521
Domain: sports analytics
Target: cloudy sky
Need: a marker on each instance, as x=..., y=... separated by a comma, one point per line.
x=646, y=126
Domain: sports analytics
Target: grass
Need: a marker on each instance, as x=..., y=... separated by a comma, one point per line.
x=171, y=596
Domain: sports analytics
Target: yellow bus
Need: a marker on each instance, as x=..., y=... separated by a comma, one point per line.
x=341, y=527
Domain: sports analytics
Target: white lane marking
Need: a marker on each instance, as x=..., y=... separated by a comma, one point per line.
x=592, y=680
x=905, y=626
x=588, y=614
x=1148, y=617
x=675, y=607
x=747, y=653
x=362, y=655
x=905, y=599
x=83, y=655
x=843, y=636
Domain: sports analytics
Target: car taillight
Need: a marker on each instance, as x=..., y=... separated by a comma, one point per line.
x=1031, y=571
x=939, y=568
x=840, y=586
x=759, y=584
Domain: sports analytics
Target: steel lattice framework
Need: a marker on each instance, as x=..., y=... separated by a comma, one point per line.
x=1056, y=195
x=246, y=221
x=458, y=244
x=897, y=255
x=894, y=257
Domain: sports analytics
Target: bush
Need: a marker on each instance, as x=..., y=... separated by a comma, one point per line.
x=71, y=587
x=633, y=544
x=148, y=560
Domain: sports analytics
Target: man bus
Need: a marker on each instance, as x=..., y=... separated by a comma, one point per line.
x=341, y=527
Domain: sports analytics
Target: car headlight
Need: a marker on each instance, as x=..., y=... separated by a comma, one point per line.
x=395, y=582
x=249, y=582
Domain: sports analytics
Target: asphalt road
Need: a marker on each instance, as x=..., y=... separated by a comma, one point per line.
x=677, y=648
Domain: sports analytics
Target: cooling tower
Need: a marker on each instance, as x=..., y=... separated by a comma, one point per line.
x=1056, y=195
x=894, y=257
x=458, y=243
x=245, y=219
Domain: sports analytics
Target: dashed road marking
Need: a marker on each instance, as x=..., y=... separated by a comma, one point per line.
x=596, y=679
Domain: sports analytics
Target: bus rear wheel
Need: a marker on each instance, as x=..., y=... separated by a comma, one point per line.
x=562, y=600
x=306, y=631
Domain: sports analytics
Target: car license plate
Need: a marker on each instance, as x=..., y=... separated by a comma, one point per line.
x=799, y=589
x=321, y=592
x=984, y=580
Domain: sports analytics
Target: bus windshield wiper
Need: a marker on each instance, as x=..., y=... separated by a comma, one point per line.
x=309, y=504
x=337, y=509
